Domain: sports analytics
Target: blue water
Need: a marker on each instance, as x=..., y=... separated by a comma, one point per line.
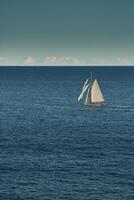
x=54, y=148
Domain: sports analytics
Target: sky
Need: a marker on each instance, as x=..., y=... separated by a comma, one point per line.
x=66, y=32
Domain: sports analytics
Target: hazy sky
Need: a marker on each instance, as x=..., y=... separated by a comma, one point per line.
x=66, y=31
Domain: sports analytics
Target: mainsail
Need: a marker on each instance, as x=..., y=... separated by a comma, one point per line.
x=96, y=95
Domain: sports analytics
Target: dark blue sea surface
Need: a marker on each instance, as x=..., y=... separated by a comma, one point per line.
x=54, y=148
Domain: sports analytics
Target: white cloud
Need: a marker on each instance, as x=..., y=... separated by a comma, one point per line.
x=124, y=61
x=110, y=61
x=61, y=60
x=97, y=61
x=29, y=60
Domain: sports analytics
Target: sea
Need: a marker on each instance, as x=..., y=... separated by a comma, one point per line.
x=53, y=147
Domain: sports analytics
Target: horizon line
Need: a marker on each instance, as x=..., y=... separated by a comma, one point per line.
x=123, y=65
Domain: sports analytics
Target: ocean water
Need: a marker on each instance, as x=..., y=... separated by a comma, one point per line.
x=54, y=148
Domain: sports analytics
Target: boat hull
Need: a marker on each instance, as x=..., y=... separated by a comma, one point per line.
x=97, y=104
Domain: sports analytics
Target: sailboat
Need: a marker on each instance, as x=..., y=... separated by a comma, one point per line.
x=91, y=93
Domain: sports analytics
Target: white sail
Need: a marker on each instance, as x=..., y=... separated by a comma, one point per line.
x=85, y=84
x=83, y=92
x=96, y=95
x=87, y=99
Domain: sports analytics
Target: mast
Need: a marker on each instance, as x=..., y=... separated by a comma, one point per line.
x=87, y=97
x=91, y=76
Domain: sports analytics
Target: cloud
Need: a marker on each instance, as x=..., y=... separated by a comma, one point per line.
x=61, y=60
x=123, y=60
x=110, y=61
x=29, y=60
